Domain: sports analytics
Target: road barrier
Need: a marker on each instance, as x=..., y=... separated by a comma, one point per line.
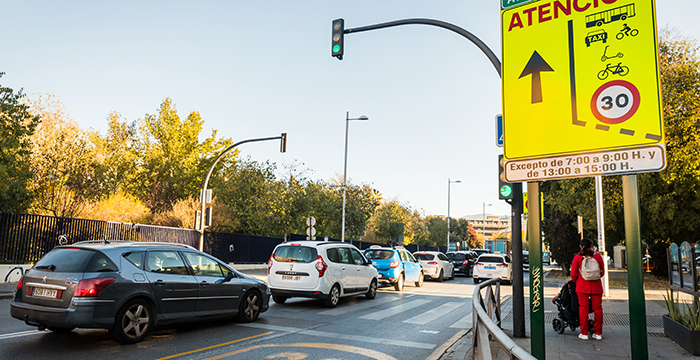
x=486, y=310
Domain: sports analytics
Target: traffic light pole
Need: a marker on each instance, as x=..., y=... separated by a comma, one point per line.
x=517, y=249
x=445, y=25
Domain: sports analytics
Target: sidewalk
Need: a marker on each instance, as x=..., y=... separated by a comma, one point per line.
x=6, y=290
x=616, y=333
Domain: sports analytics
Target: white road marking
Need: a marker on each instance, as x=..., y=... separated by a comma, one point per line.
x=367, y=339
x=20, y=334
x=379, y=315
x=464, y=323
x=361, y=306
x=435, y=313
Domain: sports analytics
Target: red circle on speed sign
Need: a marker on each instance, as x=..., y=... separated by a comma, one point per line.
x=615, y=102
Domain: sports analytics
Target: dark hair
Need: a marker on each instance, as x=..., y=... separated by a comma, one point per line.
x=586, y=243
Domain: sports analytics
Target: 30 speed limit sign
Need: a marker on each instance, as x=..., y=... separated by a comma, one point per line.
x=615, y=102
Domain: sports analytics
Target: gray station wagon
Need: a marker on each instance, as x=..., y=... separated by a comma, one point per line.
x=130, y=287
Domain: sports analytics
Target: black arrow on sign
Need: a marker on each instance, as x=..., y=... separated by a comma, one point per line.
x=534, y=67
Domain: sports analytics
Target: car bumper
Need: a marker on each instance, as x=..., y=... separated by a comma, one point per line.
x=462, y=269
x=389, y=276
x=81, y=313
x=297, y=293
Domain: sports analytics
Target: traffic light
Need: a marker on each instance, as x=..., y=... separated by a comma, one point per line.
x=505, y=189
x=337, y=38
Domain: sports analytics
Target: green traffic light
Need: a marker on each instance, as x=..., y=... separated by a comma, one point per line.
x=506, y=190
x=336, y=48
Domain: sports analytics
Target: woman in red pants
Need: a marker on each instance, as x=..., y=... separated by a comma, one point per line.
x=586, y=270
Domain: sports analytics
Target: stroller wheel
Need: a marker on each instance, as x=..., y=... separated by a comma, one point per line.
x=556, y=324
x=572, y=327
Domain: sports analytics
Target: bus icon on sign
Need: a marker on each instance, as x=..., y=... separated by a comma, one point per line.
x=608, y=16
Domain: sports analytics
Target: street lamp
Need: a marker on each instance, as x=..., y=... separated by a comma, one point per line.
x=483, y=224
x=345, y=167
x=448, y=210
x=202, y=197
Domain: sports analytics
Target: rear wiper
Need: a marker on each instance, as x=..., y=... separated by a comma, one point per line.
x=51, y=267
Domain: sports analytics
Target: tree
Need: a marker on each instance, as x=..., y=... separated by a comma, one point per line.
x=119, y=151
x=67, y=169
x=17, y=125
x=389, y=221
x=173, y=161
x=437, y=230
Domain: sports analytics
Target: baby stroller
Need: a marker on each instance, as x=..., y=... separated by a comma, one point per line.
x=567, y=309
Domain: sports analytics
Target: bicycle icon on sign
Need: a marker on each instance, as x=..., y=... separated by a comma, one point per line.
x=618, y=69
x=626, y=31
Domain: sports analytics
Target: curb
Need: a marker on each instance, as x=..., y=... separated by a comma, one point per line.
x=6, y=295
x=447, y=349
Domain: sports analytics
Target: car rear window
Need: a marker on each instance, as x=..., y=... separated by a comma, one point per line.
x=100, y=263
x=454, y=256
x=491, y=259
x=379, y=254
x=65, y=260
x=300, y=254
x=421, y=256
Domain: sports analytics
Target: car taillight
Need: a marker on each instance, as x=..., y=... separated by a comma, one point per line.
x=19, y=283
x=269, y=264
x=432, y=262
x=92, y=287
x=466, y=262
x=478, y=264
x=321, y=266
x=503, y=265
x=394, y=264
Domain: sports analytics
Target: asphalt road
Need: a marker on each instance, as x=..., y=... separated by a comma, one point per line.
x=411, y=324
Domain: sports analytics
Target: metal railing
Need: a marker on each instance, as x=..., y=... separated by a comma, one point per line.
x=486, y=310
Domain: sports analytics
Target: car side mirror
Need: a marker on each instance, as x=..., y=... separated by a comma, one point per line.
x=369, y=262
x=228, y=278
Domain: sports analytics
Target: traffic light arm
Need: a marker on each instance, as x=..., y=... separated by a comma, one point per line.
x=480, y=44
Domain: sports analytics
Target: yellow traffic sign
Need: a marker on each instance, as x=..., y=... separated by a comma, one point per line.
x=580, y=76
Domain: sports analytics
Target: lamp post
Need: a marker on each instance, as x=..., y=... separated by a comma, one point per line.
x=345, y=166
x=202, y=197
x=483, y=224
x=448, y=210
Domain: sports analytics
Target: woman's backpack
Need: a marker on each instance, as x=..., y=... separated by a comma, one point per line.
x=590, y=269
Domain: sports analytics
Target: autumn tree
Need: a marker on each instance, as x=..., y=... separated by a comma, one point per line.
x=17, y=125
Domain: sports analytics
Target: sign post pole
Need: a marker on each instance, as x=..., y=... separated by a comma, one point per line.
x=635, y=279
x=537, y=340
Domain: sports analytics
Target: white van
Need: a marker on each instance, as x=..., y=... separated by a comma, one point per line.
x=325, y=270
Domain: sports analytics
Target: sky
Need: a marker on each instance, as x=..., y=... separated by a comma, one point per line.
x=260, y=68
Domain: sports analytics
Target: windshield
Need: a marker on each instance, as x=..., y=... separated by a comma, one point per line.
x=421, y=256
x=379, y=254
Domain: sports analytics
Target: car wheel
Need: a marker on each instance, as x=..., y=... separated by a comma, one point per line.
x=372, y=292
x=419, y=283
x=249, y=310
x=476, y=281
x=279, y=299
x=441, y=277
x=452, y=275
x=61, y=330
x=333, y=297
x=398, y=285
x=133, y=322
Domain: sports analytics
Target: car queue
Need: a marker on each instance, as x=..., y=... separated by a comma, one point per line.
x=129, y=287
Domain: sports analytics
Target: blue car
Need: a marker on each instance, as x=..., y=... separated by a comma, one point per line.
x=395, y=266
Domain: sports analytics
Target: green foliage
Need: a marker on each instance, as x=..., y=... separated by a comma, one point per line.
x=690, y=318
x=17, y=124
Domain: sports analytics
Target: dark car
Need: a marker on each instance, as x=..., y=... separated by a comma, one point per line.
x=463, y=261
x=526, y=260
x=130, y=287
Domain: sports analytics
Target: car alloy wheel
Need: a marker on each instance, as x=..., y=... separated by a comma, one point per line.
x=249, y=308
x=333, y=296
x=372, y=292
x=133, y=322
x=441, y=277
x=398, y=285
x=419, y=283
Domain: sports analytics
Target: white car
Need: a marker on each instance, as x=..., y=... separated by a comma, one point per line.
x=325, y=270
x=489, y=266
x=435, y=265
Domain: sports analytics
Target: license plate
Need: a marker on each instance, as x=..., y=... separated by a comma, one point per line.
x=47, y=293
x=291, y=277
x=490, y=267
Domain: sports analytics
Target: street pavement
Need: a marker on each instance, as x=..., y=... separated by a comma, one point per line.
x=616, y=334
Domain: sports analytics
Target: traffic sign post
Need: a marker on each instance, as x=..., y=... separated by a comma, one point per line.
x=588, y=83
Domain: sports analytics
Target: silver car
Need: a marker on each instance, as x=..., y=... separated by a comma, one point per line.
x=435, y=265
x=130, y=287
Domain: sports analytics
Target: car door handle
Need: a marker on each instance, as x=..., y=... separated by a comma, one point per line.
x=204, y=282
x=160, y=282
x=343, y=268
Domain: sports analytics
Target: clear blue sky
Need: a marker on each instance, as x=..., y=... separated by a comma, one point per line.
x=260, y=68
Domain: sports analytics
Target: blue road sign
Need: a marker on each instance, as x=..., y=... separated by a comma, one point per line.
x=499, y=130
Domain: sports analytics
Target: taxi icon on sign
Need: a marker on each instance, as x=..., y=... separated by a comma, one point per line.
x=596, y=35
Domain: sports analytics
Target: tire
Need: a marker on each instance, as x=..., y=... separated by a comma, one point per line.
x=61, y=330
x=421, y=278
x=372, y=292
x=333, y=297
x=556, y=325
x=249, y=309
x=452, y=276
x=476, y=281
x=279, y=299
x=441, y=277
x=133, y=322
x=398, y=285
